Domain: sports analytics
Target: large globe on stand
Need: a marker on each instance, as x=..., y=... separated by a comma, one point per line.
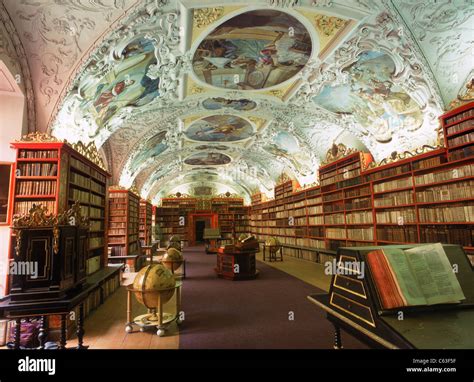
x=152, y=283
x=172, y=259
x=274, y=244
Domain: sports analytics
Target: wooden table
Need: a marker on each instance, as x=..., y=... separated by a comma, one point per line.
x=237, y=265
x=63, y=307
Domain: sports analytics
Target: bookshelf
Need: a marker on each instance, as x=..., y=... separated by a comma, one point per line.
x=145, y=229
x=124, y=214
x=458, y=129
x=172, y=217
x=427, y=197
x=56, y=174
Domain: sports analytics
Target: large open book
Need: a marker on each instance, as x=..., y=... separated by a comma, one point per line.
x=418, y=276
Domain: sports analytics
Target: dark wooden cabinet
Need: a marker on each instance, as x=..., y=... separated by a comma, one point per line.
x=50, y=255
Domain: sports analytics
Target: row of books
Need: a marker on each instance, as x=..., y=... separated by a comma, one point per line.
x=79, y=195
x=332, y=196
x=83, y=167
x=396, y=216
x=353, y=192
x=463, y=235
x=394, y=199
x=117, y=231
x=460, y=126
x=96, y=241
x=96, y=187
x=460, y=116
x=461, y=153
x=23, y=208
x=459, y=140
x=406, y=234
x=37, y=154
x=346, y=174
x=393, y=185
x=315, y=220
x=392, y=171
x=37, y=169
x=449, y=174
x=96, y=212
x=334, y=219
x=451, y=213
x=360, y=234
x=47, y=187
x=79, y=180
x=427, y=163
x=96, y=225
x=452, y=191
x=315, y=210
x=116, y=240
x=354, y=204
x=361, y=217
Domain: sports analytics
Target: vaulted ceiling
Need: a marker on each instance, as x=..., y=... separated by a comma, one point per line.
x=189, y=96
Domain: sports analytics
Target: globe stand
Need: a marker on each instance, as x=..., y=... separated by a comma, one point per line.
x=156, y=317
x=174, y=265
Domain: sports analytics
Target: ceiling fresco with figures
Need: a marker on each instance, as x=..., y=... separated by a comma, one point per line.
x=210, y=97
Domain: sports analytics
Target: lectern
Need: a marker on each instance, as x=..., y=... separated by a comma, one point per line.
x=212, y=236
x=354, y=306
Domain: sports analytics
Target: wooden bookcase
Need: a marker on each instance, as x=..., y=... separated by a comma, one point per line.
x=172, y=217
x=145, y=228
x=458, y=129
x=56, y=175
x=124, y=213
x=427, y=197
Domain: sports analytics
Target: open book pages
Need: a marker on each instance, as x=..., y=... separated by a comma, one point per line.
x=418, y=276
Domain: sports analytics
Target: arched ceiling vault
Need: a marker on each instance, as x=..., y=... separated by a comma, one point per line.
x=218, y=95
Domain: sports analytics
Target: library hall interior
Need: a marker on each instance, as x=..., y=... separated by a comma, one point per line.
x=264, y=174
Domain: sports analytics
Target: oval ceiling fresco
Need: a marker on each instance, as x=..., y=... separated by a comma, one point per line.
x=253, y=50
x=220, y=128
x=207, y=159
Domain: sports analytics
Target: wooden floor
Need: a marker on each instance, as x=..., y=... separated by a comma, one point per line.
x=105, y=327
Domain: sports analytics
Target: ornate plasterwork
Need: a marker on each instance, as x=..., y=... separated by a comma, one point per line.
x=12, y=48
x=444, y=32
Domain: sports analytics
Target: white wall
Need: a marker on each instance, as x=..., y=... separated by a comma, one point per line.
x=12, y=114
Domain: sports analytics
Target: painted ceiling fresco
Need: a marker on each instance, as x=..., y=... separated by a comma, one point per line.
x=130, y=84
x=237, y=93
x=371, y=96
x=253, y=50
x=219, y=103
x=220, y=128
x=207, y=159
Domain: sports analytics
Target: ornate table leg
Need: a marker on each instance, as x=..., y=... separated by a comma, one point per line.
x=43, y=332
x=80, y=328
x=62, y=338
x=129, y=327
x=337, y=338
x=17, y=333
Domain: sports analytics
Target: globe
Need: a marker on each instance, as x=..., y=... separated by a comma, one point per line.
x=274, y=244
x=174, y=239
x=172, y=259
x=152, y=283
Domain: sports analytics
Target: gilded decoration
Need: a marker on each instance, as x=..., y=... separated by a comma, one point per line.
x=283, y=178
x=327, y=25
x=38, y=137
x=205, y=16
x=396, y=156
x=38, y=217
x=337, y=152
x=90, y=152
